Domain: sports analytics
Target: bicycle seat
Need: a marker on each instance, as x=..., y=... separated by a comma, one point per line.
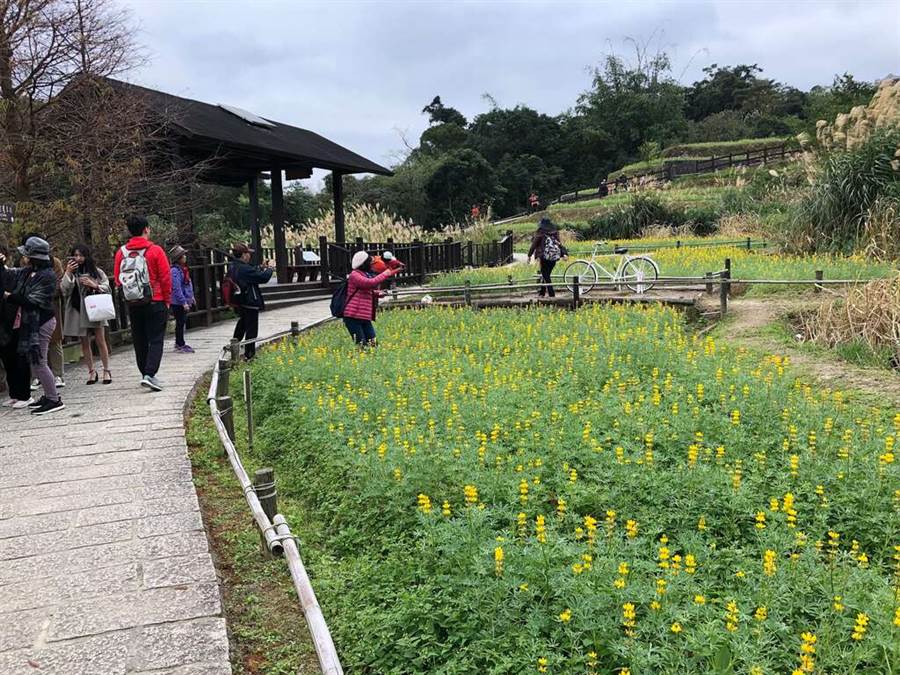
x=620, y=250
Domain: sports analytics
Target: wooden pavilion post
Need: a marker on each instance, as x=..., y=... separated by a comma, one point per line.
x=255, y=234
x=337, y=189
x=281, y=261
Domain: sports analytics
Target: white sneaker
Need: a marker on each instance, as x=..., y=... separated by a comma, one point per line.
x=18, y=405
x=60, y=383
x=8, y=403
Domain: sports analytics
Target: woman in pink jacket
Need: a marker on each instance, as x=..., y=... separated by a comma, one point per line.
x=362, y=299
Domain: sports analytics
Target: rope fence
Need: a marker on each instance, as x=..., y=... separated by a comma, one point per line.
x=275, y=533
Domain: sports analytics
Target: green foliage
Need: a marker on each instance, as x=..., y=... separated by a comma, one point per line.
x=847, y=185
x=726, y=147
x=635, y=416
x=645, y=209
x=461, y=179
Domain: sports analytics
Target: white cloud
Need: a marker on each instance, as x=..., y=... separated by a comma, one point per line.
x=357, y=71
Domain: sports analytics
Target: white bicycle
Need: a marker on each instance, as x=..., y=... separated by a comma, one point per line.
x=637, y=273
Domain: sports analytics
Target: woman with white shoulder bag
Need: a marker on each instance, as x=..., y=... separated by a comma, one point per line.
x=88, y=307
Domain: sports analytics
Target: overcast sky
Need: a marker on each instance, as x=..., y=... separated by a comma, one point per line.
x=360, y=72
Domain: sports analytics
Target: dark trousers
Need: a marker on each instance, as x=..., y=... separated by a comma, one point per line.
x=148, y=330
x=247, y=328
x=180, y=320
x=362, y=332
x=18, y=372
x=546, y=269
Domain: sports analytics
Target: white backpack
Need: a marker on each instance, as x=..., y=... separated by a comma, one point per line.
x=134, y=277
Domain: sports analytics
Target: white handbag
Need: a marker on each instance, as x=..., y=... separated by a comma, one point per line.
x=99, y=307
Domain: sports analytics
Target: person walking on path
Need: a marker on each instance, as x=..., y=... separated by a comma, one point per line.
x=362, y=299
x=55, y=351
x=18, y=372
x=182, y=296
x=141, y=263
x=547, y=248
x=250, y=303
x=82, y=278
x=33, y=293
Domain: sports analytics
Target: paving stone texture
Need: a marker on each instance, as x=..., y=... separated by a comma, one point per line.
x=104, y=563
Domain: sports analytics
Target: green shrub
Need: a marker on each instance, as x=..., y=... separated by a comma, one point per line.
x=848, y=184
x=718, y=148
x=646, y=209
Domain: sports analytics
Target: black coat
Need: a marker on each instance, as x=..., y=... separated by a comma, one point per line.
x=248, y=278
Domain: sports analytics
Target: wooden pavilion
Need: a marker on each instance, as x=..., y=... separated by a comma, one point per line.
x=238, y=147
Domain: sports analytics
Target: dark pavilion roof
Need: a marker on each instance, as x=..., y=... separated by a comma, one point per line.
x=236, y=149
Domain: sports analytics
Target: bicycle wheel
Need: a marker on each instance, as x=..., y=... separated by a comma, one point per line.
x=584, y=272
x=639, y=274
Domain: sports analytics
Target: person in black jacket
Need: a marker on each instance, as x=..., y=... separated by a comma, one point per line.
x=18, y=372
x=250, y=301
x=547, y=249
x=34, y=287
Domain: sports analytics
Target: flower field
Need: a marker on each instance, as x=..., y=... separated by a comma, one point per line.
x=688, y=261
x=594, y=492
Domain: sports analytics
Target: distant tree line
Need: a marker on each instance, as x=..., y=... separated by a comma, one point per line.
x=503, y=155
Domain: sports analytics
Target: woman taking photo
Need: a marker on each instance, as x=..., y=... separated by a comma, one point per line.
x=82, y=278
x=362, y=298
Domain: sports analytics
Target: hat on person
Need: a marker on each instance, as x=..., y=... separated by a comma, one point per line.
x=35, y=248
x=387, y=255
x=240, y=249
x=176, y=253
x=546, y=224
x=359, y=258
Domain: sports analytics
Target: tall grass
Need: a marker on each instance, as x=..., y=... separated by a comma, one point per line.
x=374, y=223
x=853, y=191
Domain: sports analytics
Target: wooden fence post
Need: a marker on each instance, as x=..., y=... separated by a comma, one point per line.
x=509, y=280
x=207, y=290
x=708, y=277
x=295, y=328
x=748, y=243
x=222, y=383
x=467, y=293
x=728, y=273
x=819, y=276
x=324, y=269
x=360, y=245
x=235, y=348
x=418, y=252
x=248, y=404
x=576, y=293
x=226, y=413
x=469, y=254
x=266, y=493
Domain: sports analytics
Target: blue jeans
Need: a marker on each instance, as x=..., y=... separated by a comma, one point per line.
x=362, y=332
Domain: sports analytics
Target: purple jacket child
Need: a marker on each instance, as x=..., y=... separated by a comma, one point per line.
x=182, y=288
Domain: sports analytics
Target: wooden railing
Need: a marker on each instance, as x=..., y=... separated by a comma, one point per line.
x=670, y=171
x=420, y=259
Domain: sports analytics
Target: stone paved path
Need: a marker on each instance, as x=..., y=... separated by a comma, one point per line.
x=104, y=563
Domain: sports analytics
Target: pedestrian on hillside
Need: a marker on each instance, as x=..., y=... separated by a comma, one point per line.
x=533, y=201
x=18, y=371
x=362, y=298
x=82, y=278
x=603, y=189
x=248, y=278
x=547, y=248
x=34, y=286
x=55, y=350
x=143, y=265
x=182, y=296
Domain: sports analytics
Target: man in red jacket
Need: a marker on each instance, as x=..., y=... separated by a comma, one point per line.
x=148, y=320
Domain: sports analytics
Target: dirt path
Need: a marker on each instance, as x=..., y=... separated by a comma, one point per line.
x=749, y=317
